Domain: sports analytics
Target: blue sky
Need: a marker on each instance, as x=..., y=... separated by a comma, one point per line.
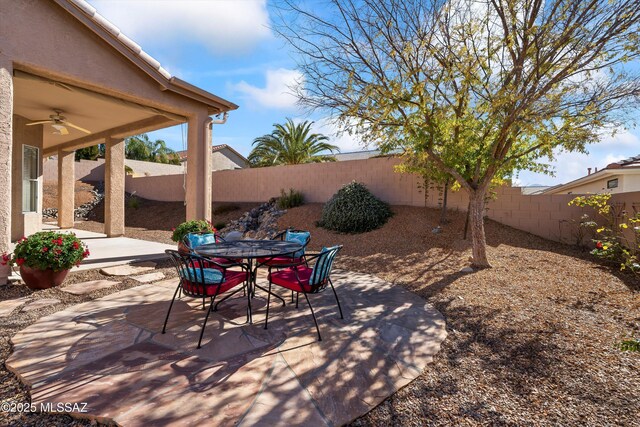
x=227, y=48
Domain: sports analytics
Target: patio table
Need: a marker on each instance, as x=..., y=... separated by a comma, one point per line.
x=250, y=250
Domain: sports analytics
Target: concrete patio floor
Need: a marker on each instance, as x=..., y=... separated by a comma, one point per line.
x=109, y=353
x=106, y=252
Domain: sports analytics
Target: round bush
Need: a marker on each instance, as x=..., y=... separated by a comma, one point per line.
x=353, y=209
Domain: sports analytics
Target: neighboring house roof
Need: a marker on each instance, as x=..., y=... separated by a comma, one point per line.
x=631, y=161
x=88, y=15
x=363, y=155
x=214, y=148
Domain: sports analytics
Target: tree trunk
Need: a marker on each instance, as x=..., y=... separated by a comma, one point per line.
x=466, y=221
x=443, y=213
x=476, y=218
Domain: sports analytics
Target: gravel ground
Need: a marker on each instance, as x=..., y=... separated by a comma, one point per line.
x=531, y=340
x=50, y=194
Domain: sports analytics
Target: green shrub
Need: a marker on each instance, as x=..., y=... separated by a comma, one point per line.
x=193, y=226
x=353, y=209
x=290, y=200
x=133, y=202
x=48, y=250
x=218, y=210
x=630, y=345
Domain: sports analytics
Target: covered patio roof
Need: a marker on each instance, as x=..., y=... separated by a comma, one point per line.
x=61, y=58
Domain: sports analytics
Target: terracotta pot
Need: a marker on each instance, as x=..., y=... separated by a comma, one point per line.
x=183, y=249
x=42, y=279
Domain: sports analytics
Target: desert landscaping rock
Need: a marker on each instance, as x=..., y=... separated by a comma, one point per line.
x=83, y=288
x=243, y=373
x=149, y=277
x=41, y=303
x=128, y=270
x=7, y=307
x=258, y=223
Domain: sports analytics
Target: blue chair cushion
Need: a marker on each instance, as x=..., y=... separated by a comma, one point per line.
x=211, y=275
x=197, y=239
x=301, y=237
x=322, y=268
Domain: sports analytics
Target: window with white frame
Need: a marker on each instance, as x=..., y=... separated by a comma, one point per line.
x=30, y=173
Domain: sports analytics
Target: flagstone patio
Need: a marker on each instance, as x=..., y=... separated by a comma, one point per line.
x=109, y=353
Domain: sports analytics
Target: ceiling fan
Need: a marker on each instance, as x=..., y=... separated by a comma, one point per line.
x=59, y=123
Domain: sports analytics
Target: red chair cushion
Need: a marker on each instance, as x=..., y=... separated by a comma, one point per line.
x=287, y=278
x=279, y=260
x=232, y=279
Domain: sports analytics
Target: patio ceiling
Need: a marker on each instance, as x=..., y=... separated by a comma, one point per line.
x=36, y=98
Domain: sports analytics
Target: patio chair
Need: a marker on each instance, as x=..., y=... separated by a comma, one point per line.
x=289, y=235
x=301, y=278
x=204, y=278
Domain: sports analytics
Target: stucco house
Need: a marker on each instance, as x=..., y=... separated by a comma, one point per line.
x=618, y=177
x=70, y=79
x=223, y=157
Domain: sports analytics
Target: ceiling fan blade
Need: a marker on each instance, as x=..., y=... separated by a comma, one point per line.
x=66, y=123
x=40, y=122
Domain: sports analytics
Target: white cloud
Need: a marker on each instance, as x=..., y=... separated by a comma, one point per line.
x=279, y=89
x=347, y=143
x=622, y=138
x=223, y=26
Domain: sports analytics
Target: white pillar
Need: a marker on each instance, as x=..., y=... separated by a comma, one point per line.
x=198, y=192
x=114, y=188
x=6, y=143
x=66, y=188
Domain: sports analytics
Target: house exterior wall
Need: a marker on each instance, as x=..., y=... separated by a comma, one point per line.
x=600, y=185
x=226, y=159
x=6, y=147
x=63, y=49
x=24, y=223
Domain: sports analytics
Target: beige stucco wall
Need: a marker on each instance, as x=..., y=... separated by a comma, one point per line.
x=166, y=188
x=24, y=223
x=548, y=216
x=93, y=170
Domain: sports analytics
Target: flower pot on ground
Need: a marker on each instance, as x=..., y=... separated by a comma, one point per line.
x=193, y=226
x=35, y=278
x=46, y=257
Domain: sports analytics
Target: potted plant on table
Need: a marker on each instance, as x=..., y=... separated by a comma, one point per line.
x=45, y=258
x=193, y=226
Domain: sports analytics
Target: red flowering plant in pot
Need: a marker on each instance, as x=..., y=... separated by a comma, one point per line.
x=45, y=258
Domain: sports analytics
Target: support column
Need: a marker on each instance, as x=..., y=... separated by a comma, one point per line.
x=6, y=143
x=66, y=188
x=114, y=188
x=198, y=192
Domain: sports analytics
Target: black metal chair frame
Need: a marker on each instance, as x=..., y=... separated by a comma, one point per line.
x=317, y=288
x=197, y=264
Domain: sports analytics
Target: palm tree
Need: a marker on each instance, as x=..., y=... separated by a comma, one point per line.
x=140, y=147
x=291, y=144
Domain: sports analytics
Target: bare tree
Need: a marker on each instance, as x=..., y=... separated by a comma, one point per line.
x=482, y=87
